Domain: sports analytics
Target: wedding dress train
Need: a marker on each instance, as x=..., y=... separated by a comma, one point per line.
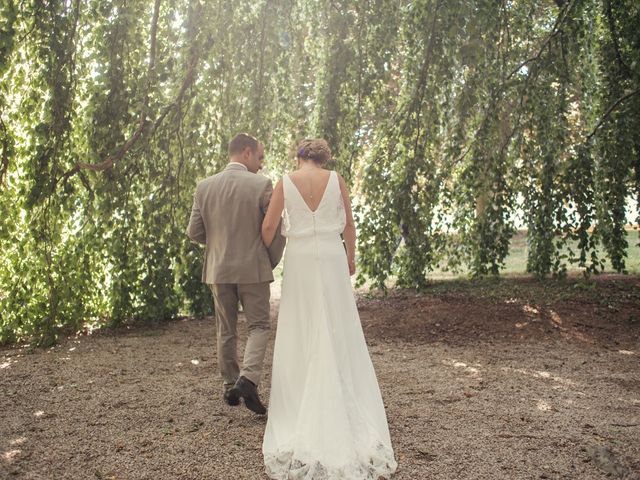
x=326, y=417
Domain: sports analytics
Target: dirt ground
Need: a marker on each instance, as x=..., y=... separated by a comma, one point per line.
x=516, y=379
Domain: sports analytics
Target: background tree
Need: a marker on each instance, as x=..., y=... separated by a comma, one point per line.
x=453, y=123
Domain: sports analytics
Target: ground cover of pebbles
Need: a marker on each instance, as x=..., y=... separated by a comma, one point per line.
x=516, y=379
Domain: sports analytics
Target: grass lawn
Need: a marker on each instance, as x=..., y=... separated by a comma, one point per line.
x=516, y=261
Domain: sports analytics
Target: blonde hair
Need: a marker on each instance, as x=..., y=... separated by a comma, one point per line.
x=315, y=149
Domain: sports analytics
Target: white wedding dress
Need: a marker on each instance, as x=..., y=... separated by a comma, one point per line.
x=326, y=417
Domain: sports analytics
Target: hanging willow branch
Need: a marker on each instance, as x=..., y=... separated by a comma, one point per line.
x=614, y=38
x=4, y=165
x=186, y=83
x=497, y=94
x=120, y=153
x=611, y=108
x=554, y=32
x=260, y=72
x=404, y=111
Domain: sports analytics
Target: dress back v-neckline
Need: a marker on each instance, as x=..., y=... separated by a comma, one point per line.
x=324, y=193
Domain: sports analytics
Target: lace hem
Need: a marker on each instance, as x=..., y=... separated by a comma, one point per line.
x=284, y=466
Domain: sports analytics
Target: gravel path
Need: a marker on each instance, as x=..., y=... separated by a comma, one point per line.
x=474, y=389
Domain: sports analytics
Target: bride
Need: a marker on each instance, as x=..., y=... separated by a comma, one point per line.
x=326, y=416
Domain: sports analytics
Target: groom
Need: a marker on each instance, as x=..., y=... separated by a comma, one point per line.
x=228, y=209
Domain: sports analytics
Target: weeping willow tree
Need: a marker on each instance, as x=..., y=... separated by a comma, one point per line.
x=451, y=121
x=505, y=109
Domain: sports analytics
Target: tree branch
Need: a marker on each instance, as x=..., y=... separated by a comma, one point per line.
x=497, y=93
x=186, y=83
x=110, y=161
x=258, y=108
x=554, y=32
x=614, y=37
x=4, y=166
x=611, y=108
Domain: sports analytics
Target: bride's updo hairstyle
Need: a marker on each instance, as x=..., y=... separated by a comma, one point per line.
x=315, y=149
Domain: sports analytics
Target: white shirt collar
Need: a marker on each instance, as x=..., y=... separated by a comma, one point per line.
x=238, y=163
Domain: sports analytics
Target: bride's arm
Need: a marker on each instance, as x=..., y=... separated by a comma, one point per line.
x=349, y=232
x=272, y=217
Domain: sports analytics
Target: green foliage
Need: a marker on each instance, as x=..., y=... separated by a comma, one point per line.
x=8, y=15
x=453, y=123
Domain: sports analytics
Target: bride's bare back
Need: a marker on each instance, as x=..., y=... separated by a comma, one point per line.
x=311, y=183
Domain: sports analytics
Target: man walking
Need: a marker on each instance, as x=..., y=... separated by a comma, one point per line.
x=228, y=209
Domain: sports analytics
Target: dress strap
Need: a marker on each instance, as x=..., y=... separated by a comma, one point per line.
x=287, y=185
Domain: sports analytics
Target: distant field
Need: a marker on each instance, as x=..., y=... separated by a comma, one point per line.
x=516, y=262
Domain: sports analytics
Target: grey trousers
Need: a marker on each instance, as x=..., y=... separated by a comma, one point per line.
x=254, y=298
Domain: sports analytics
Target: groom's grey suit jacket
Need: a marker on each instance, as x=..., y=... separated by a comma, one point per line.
x=227, y=213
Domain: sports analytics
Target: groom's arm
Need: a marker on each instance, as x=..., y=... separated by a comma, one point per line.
x=276, y=247
x=196, y=230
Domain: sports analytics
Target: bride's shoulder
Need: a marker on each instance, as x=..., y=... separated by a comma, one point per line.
x=298, y=177
x=287, y=175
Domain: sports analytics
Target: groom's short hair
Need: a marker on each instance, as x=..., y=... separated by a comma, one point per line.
x=242, y=141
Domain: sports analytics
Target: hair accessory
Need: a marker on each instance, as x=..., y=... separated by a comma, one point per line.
x=301, y=152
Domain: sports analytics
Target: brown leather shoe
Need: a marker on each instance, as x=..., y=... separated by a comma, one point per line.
x=246, y=389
